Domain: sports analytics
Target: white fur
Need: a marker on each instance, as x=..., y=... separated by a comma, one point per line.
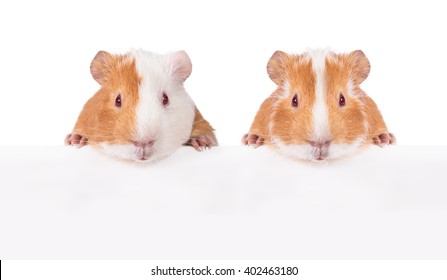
x=153, y=82
x=119, y=151
x=294, y=151
x=306, y=151
x=351, y=91
x=319, y=110
x=285, y=92
x=338, y=150
x=169, y=127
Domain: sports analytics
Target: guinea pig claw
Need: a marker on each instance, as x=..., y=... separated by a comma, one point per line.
x=195, y=144
x=259, y=142
x=252, y=140
x=209, y=142
x=76, y=140
x=67, y=140
x=392, y=139
x=376, y=141
x=384, y=139
x=83, y=142
x=201, y=143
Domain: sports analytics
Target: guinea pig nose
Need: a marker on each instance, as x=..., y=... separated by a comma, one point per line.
x=320, y=144
x=143, y=144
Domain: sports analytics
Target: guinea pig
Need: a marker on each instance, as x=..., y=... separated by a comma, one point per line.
x=141, y=112
x=318, y=111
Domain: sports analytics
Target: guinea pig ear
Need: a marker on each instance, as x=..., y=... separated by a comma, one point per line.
x=180, y=65
x=275, y=66
x=100, y=66
x=360, y=66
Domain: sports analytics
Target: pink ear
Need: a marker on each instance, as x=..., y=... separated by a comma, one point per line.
x=99, y=66
x=360, y=66
x=275, y=66
x=180, y=65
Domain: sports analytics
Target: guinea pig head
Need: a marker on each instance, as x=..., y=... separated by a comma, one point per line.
x=318, y=112
x=142, y=111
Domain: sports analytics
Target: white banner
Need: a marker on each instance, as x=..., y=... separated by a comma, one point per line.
x=222, y=270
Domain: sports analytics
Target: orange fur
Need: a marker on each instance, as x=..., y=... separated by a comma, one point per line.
x=100, y=120
x=346, y=123
x=262, y=118
x=292, y=125
x=202, y=127
x=293, y=74
x=376, y=123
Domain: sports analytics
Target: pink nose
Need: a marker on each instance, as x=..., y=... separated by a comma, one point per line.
x=143, y=144
x=320, y=144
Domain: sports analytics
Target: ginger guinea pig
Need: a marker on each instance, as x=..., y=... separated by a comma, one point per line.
x=318, y=111
x=141, y=112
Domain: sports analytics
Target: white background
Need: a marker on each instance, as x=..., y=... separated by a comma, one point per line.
x=47, y=47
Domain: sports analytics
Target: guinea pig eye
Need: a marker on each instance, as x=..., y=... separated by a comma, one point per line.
x=118, y=101
x=165, y=99
x=341, y=100
x=295, y=101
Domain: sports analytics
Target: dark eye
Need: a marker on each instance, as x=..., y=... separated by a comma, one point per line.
x=165, y=99
x=295, y=101
x=341, y=100
x=118, y=101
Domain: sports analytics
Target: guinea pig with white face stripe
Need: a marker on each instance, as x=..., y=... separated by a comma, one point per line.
x=318, y=111
x=141, y=112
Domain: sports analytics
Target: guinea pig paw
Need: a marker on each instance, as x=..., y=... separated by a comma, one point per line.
x=384, y=139
x=75, y=140
x=201, y=142
x=253, y=140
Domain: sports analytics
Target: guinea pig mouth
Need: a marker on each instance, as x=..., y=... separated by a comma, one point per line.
x=143, y=158
x=143, y=154
x=320, y=154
